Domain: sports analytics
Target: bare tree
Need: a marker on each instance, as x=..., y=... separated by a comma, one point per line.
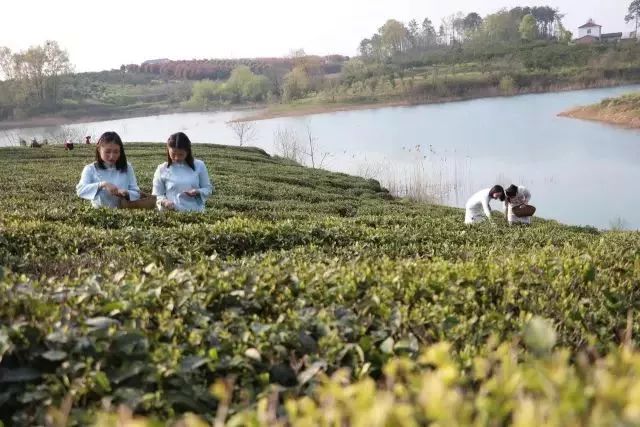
x=245, y=131
x=6, y=63
x=634, y=14
x=287, y=145
x=62, y=134
x=12, y=138
x=316, y=157
x=56, y=64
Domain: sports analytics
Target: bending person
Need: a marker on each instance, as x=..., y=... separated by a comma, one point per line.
x=478, y=208
x=517, y=195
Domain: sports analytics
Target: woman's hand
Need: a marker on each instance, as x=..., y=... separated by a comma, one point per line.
x=123, y=193
x=168, y=204
x=109, y=188
x=192, y=193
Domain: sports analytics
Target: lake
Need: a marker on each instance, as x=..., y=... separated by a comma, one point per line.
x=578, y=172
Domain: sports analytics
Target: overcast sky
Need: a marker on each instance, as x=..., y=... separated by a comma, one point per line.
x=103, y=35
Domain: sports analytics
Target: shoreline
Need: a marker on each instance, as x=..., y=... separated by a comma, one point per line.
x=59, y=120
x=266, y=112
x=623, y=111
x=324, y=108
x=595, y=114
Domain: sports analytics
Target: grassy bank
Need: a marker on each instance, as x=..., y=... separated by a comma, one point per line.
x=303, y=296
x=490, y=89
x=471, y=72
x=622, y=111
x=459, y=88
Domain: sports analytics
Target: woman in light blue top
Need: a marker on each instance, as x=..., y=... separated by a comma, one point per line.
x=110, y=179
x=182, y=182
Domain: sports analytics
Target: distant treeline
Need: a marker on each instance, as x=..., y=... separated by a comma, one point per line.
x=510, y=51
x=220, y=69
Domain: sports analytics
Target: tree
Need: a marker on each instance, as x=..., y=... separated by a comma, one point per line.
x=354, y=70
x=528, y=28
x=377, y=47
x=451, y=24
x=204, y=93
x=633, y=13
x=245, y=131
x=296, y=84
x=287, y=145
x=257, y=89
x=545, y=16
x=57, y=63
x=276, y=73
x=32, y=69
x=471, y=24
x=239, y=79
x=442, y=35
x=413, y=33
x=244, y=85
x=366, y=48
x=457, y=27
x=6, y=63
x=566, y=36
x=562, y=34
x=36, y=71
x=395, y=37
x=429, y=36
x=123, y=70
x=503, y=26
x=316, y=157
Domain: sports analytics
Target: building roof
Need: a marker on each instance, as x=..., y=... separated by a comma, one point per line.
x=156, y=61
x=587, y=38
x=611, y=35
x=590, y=23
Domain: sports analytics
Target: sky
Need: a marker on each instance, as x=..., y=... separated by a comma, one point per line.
x=103, y=35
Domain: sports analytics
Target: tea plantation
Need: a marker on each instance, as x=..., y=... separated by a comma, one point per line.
x=302, y=297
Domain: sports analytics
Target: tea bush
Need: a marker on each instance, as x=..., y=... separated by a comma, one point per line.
x=302, y=297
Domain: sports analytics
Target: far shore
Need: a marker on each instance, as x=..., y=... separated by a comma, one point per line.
x=59, y=120
x=293, y=110
x=265, y=112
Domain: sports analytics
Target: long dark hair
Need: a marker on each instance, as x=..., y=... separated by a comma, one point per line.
x=512, y=191
x=182, y=142
x=497, y=189
x=111, y=138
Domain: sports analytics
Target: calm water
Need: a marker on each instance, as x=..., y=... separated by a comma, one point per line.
x=578, y=172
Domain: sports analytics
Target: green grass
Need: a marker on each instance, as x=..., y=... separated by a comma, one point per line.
x=625, y=102
x=293, y=284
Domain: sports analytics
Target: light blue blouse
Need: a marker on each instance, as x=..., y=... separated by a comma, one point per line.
x=92, y=176
x=170, y=182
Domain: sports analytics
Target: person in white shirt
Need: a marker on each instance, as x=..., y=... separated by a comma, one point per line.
x=517, y=195
x=182, y=182
x=478, y=208
x=110, y=179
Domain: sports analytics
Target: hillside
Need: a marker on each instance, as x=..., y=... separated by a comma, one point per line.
x=311, y=84
x=306, y=296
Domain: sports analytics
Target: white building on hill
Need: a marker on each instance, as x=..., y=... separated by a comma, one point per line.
x=592, y=33
x=590, y=29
